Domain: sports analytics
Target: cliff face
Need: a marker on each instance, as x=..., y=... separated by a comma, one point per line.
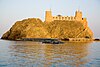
x=35, y=28
x=28, y=28
x=69, y=29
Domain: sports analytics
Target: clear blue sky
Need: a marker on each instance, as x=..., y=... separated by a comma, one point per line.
x=14, y=10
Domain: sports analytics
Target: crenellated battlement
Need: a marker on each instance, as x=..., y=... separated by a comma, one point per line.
x=63, y=18
x=50, y=18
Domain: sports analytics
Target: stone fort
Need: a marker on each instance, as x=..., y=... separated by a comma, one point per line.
x=78, y=17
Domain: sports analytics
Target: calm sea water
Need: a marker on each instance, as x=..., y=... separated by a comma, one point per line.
x=34, y=54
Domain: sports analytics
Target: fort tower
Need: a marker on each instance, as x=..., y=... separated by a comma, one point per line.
x=48, y=16
x=78, y=15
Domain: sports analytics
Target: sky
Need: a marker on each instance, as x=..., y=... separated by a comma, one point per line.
x=16, y=10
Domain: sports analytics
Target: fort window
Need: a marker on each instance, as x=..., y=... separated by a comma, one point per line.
x=62, y=18
x=71, y=18
x=56, y=17
x=68, y=18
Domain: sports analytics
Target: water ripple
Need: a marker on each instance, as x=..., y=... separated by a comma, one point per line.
x=31, y=54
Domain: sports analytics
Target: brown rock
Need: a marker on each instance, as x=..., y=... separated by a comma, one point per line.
x=35, y=28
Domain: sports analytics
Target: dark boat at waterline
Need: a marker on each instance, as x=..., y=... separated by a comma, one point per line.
x=53, y=42
x=43, y=40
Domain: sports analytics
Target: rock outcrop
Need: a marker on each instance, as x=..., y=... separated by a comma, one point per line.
x=68, y=29
x=35, y=28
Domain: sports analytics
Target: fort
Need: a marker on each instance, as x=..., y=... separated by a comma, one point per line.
x=78, y=17
x=74, y=28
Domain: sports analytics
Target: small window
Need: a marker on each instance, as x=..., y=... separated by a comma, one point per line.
x=69, y=18
x=65, y=17
x=56, y=17
x=62, y=18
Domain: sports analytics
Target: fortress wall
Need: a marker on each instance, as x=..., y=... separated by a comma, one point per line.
x=77, y=17
x=84, y=20
x=80, y=39
x=63, y=18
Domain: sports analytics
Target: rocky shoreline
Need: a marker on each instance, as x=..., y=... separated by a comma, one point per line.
x=57, y=41
x=52, y=39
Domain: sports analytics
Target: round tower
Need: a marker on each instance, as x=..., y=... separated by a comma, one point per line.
x=78, y=15
x=48, y=16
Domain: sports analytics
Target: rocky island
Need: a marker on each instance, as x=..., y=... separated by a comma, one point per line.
x=60, y=27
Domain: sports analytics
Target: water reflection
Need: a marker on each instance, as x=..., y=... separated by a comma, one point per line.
x=49, y=55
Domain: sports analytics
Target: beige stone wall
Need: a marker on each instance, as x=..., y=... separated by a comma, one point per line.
x=84, y=21
x=78, y=17
x=48, y=16
x=63, y=18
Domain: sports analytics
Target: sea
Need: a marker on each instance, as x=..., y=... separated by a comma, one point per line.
x=37, y=54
